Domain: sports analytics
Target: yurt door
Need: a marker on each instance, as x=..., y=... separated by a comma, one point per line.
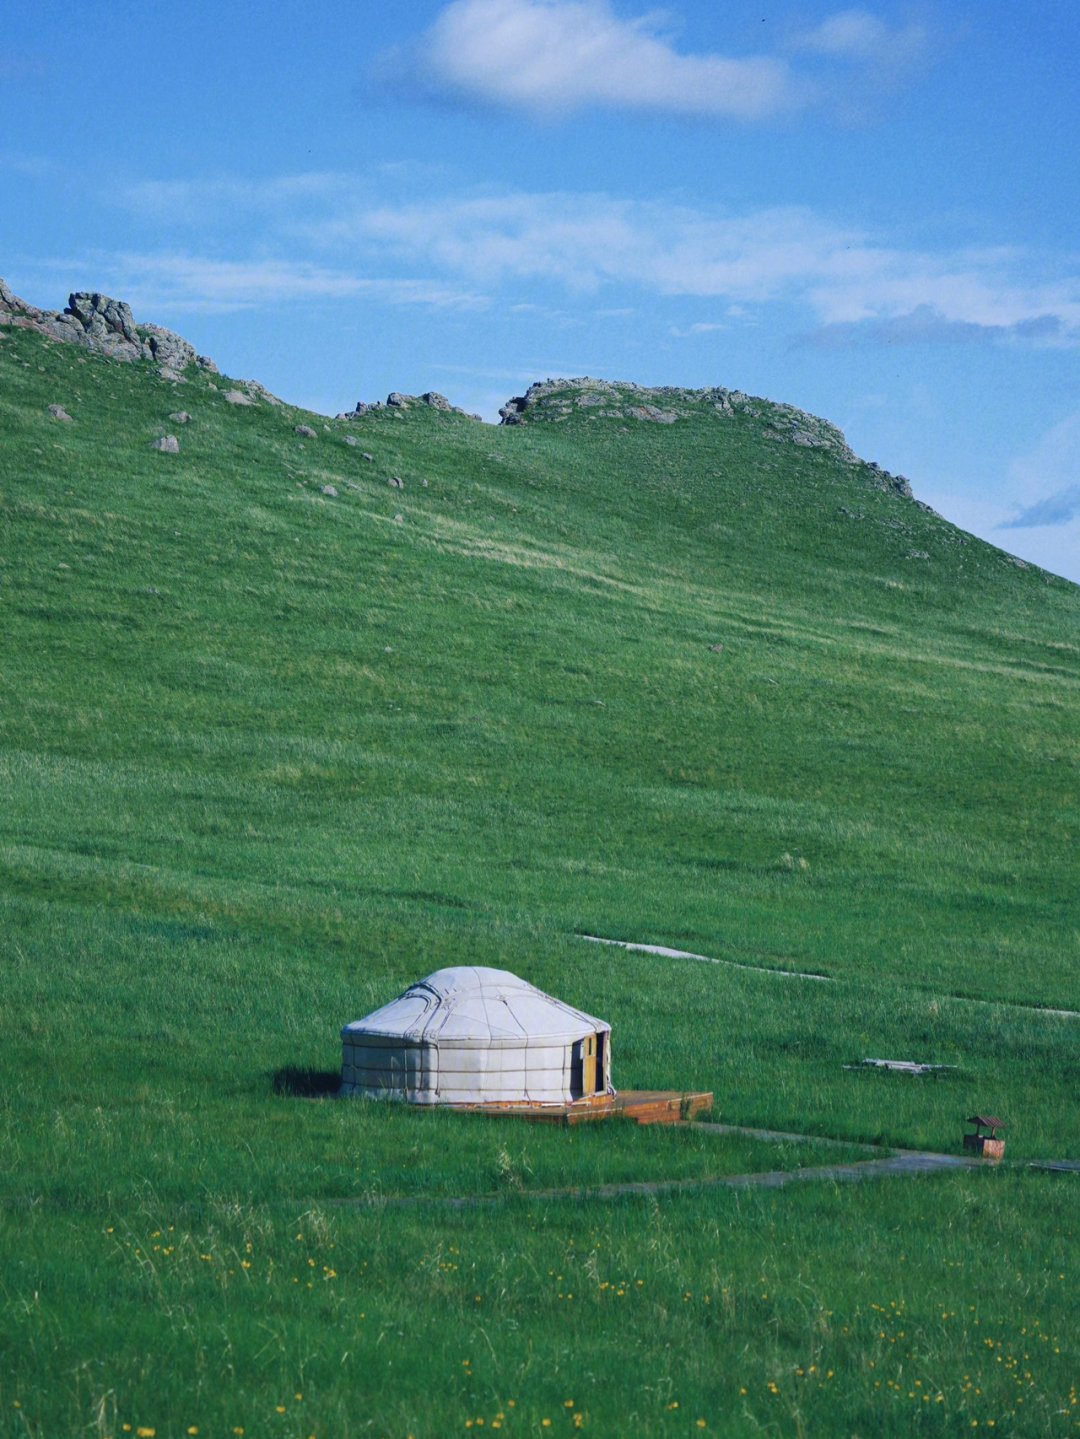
x=588, y=1056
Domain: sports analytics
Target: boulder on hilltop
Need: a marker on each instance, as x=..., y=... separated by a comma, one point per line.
x=396, y=401
x=98, y=322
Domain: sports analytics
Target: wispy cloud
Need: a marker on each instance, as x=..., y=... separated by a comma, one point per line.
x=859, y=286
x=702, y=327
x=1050, y=479
x=927, y=325
x=194, y=282
x=1057, y=509
x=885, y=54
x=459, y=248
x=554, y=57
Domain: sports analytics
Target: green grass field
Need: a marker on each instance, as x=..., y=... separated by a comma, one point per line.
x=268, y=754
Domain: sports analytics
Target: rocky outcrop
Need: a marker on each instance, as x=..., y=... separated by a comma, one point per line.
x=256, y=391
x=622, y=399
x=395, y=400
x=552, y=401
x=98, y=322
x=900, y=483
x=171, y=351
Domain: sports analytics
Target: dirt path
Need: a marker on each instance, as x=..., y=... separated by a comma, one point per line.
x=896, y=1162
x=905, y=1162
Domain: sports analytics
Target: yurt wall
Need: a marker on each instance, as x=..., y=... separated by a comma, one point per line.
x=472, y=1035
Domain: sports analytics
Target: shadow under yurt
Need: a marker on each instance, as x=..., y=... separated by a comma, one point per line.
x=476, y=1038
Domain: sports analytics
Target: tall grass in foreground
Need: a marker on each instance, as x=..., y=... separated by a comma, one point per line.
x=932, y=1306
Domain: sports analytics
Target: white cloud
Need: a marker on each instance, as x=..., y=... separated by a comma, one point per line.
x=1048, y=480
x=553, y=57
x=926, y=324
x=853, y=281
x=856, y=35
x=856, y=285
x=1053, y=547
x=702, y=327
x=194, y=282
x=1037, y=517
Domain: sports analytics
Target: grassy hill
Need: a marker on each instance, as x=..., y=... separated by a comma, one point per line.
x=278, y=736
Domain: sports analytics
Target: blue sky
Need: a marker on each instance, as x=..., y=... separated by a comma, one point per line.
x=868, y=211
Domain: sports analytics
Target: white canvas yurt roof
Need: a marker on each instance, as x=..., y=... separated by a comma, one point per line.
x=472, y=1035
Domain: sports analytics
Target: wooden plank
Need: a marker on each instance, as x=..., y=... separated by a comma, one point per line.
x=645, y=1106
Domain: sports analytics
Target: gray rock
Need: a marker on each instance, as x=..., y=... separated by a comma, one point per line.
x=94, y=325
x=306, y=431
x=650, y=412
x=398, y=400
x=180, y=417
x=329, y=490
x=237, y=397
x=66, y=327
x=204, y=362
x=99, y=314
x=396, y=482
x=351, y=440
x=168, y=348
x=59, y=413
x=436, y=401
x=260, y=392
x=168, y=443
x=365, y=456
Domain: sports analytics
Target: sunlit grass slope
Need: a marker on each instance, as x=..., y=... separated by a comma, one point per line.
x=278, y=737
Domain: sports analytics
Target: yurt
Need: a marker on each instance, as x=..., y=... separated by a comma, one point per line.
x=468, y=1036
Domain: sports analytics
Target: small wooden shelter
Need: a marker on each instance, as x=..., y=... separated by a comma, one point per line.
x=988, y=1145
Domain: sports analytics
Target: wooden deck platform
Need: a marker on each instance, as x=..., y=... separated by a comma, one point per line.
x=646, y=1106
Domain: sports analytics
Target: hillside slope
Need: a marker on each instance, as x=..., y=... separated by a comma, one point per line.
x=293, y=711
x=510, y=662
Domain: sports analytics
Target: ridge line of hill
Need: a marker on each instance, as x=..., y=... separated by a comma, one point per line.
x=97, y=321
